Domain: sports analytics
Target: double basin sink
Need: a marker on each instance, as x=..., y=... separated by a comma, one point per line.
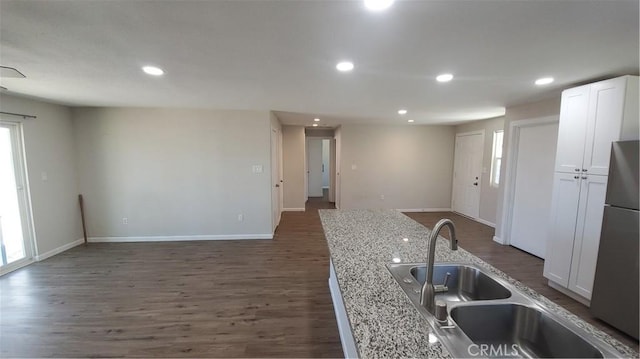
x=489, y=317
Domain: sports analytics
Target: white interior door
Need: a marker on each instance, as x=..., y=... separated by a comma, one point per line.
x=314, y=167
x=535, y=162
x=467, y=174
x=276, y=185
x=15, y=240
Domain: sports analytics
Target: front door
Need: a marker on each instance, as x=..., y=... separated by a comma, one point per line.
x=467, y=174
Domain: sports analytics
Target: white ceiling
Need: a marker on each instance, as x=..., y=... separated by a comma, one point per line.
x=280, y=55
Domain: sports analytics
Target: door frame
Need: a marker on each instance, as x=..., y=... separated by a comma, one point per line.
x=480, y=181
x=26, y=211
x=513, y=142
x=333, y=160
x=277, y=156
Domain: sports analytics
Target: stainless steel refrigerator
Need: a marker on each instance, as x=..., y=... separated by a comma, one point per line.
x=615, y=289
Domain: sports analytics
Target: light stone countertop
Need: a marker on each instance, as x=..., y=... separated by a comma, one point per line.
x=383, y=320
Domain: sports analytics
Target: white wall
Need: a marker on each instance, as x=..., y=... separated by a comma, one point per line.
x=540, y=109
x=174, y=172
x=411, y=166
x=48, y=142
x=293, y=163
x=488, y=194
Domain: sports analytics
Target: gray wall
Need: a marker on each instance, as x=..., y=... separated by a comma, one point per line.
x=48, y=142
x=488, y=194
x=174, y=172
x=411, y=166
x=293, y=154
x=549, y=107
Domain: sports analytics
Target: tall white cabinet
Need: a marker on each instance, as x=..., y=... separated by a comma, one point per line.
x=591, y=117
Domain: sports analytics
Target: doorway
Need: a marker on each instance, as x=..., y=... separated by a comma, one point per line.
x=534, y=160
x=15, y=239
x=467, y=173
x=320, y=169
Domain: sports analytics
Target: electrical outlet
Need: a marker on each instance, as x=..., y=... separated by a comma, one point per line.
x=240, y=217
x=125, y=220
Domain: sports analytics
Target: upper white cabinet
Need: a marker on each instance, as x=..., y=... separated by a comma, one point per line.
x=593, y=116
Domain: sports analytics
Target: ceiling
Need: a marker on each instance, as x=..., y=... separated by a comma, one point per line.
x=281, y=55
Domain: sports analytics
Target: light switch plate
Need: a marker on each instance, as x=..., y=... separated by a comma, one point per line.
x=257, y=169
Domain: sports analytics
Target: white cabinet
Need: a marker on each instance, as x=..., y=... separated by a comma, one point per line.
x=574, y=234
x=572, y=129
x=562, y=229
x=591, y=117
x=593, y=190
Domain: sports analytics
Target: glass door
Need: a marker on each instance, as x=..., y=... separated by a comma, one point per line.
x=15, y=241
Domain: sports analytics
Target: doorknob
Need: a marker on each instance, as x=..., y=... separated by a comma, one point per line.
x=475, y=183
x=277, y=184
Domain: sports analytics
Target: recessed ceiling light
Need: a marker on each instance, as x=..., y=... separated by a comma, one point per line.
x=378, y=5
x=444, y=78
x=316, y=119
x=544, y=81
x=315, y=125
x=152, y=70
x=402, y=112
x=396, y=260
x=344, y=66
x=410, y=121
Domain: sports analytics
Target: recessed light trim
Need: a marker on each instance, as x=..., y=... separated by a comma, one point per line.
x=444, y=78
x=345, y=66
x=378, y=5
x=544, y=81
x=153, y=70
x=316, y=119
x=402, y=112
x=410, y=121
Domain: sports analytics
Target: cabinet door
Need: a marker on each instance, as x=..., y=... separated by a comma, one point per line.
x=606, y=107
x=593, y=191
x=572, y=129
x=562, y=225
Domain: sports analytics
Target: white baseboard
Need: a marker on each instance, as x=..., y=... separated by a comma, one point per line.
x=568, y=293
x=53, y=252
x=425, y=210
x=480, y=220
x=293, y=210
x=213, y=237
x=498, y=240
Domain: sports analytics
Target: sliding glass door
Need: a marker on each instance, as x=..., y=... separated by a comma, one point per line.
x=15, y=241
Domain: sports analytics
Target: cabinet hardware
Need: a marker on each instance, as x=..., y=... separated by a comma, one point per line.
x=584, y=177
x=576, y=177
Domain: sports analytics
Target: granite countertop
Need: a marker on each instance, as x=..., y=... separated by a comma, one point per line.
x=383, y=320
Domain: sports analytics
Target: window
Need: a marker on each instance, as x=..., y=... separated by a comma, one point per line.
x=496, y=158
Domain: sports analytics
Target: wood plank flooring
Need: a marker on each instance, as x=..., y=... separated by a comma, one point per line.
x=254, y=298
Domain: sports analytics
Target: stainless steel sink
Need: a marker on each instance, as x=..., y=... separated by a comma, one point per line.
x=521, y=331
x=465, y=283
x=490, y=317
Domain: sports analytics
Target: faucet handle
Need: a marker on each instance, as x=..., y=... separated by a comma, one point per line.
x=441, y=311
x=446, y=279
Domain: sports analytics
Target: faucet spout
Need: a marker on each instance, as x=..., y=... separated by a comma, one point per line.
x=427, y=295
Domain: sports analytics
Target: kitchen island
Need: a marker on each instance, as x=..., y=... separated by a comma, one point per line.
x=378, y=320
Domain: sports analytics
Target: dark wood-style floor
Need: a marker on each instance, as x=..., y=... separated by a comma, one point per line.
x=254, y=298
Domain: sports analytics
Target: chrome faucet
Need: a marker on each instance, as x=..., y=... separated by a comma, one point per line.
x=427, y=296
